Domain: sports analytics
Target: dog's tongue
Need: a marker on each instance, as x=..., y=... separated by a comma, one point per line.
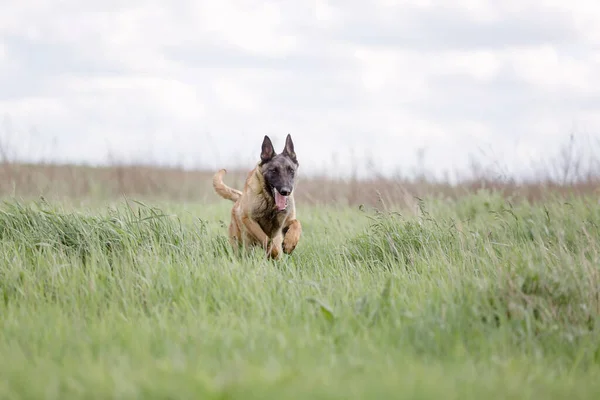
x=280, y=200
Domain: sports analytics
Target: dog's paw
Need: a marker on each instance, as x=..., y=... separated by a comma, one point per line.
x=292, y=237
x=274, y=248
x=288, y=247
x=274, y=252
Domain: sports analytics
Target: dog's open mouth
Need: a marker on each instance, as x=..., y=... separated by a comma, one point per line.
x=280, y=200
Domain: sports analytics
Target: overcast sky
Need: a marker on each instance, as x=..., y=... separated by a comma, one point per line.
x=199, y=83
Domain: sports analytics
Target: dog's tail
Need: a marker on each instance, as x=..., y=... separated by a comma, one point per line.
x=222, y=189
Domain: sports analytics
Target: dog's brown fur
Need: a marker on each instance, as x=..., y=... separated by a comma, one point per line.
x=255, y=219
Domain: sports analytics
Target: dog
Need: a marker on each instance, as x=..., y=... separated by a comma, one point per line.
x=264, y=213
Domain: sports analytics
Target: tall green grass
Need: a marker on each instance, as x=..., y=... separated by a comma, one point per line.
x=466, y=299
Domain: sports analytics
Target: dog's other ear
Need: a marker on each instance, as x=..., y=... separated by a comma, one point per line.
x=268, y=152
x=289, y=148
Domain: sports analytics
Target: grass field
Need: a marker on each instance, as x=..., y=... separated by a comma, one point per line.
x=476, y=298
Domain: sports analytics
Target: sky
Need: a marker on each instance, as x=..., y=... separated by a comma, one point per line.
x=362, y=87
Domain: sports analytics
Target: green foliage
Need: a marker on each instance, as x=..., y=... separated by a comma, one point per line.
x=482, y=297
x=38, y=227
x=393, y=240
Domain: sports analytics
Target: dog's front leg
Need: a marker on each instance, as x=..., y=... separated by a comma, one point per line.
x=275, y=250
x=292, y=231
x=256, y=230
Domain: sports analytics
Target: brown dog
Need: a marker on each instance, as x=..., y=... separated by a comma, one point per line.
x=264, y=213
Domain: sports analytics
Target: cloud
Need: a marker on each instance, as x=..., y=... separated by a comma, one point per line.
x=199, y=83
x=466, y=25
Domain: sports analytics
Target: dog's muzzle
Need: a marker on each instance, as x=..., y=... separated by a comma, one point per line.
x=281, y=198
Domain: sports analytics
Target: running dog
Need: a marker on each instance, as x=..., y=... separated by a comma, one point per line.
x=264, y=213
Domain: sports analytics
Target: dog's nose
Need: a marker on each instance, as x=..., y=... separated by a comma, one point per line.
x=285, y=191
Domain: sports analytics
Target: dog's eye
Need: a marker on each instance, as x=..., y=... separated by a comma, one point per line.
x=290, y=170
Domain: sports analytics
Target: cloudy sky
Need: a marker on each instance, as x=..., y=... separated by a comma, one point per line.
x=199, y=83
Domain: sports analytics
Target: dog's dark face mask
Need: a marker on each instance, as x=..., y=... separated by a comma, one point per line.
x=279, y=171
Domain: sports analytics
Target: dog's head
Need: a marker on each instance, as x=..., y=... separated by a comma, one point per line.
x=279, y=170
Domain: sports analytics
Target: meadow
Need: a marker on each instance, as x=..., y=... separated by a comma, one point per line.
x=486, y=294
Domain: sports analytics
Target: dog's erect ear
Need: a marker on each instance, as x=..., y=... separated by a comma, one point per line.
x=289, y=148
x=268, y=152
